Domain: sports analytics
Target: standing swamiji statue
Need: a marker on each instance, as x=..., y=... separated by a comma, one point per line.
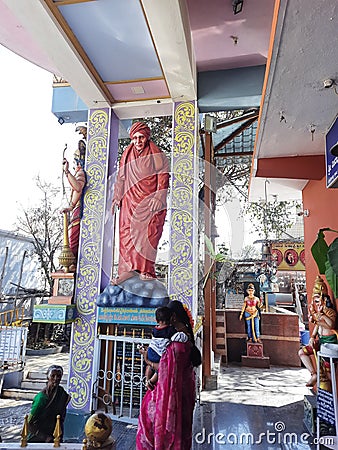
x=141, y=194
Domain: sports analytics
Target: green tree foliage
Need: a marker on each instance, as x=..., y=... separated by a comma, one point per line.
x=44, y=224
x=271, y=219
x=215, y=258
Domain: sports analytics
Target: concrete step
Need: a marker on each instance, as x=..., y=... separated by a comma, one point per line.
x=34, y=375
x=18, y=394
x=37, y=385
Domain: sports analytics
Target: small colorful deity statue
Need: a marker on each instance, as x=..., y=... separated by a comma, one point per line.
x=251, y=312
x=323, y=315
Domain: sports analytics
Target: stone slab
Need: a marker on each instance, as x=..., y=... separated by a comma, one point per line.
x=249, y=361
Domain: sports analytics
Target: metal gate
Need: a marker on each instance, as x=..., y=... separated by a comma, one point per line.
x=12, y=346
x=120, y=382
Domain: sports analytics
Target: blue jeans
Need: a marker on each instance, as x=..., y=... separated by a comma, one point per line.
x=252, y=326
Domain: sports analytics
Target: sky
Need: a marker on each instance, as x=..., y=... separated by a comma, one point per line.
x=31, y=139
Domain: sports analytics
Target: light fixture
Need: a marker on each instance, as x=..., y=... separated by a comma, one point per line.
x=237, y=6
x=266, y=250
x=61, y=120
x=210, y=123
x=328, y=83
x=137, y=90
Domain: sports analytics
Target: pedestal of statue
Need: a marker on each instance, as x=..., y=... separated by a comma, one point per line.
x=63, y=288
x=255, y=356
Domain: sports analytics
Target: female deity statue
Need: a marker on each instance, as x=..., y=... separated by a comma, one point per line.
x=250, y=310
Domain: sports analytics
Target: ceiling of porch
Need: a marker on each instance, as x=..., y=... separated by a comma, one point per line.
x=140, y=56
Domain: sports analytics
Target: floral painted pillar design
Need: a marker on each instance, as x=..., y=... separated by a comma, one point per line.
x=183, y=268
x=90, y=260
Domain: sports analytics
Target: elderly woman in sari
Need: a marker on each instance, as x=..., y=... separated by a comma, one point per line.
x=140, y=192
x=47, y=404
x=165, y=420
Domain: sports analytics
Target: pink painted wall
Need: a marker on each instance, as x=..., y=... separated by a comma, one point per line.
x=322, y=205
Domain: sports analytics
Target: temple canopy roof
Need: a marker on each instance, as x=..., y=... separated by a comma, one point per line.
x=140, y=56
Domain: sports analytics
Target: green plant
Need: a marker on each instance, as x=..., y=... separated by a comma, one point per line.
x=214, y=257
x=326, y=257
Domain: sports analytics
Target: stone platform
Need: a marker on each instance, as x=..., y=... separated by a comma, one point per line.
x=254, y=356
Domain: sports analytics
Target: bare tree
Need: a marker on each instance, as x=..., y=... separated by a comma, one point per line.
x=44, y=224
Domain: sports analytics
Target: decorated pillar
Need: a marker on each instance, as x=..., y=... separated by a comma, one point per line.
x=183, y=267
x=88, y=278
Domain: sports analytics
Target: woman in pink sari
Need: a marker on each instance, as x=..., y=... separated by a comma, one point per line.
x=165, y=420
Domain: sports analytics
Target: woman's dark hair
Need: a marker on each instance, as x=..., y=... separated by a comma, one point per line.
x=177, y=307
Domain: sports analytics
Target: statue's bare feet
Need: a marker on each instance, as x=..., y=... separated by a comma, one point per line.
x=146, y=276
x=123, y=277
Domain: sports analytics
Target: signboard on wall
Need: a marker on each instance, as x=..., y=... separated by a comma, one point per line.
x=289, y=255
x=331, y=161
x=234, y=300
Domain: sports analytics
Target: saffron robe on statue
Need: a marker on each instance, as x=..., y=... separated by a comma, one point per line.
x=142, y=176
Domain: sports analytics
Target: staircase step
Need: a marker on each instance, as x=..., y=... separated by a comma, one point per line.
x=34, y=375
x=37, y=385
x=18, y=394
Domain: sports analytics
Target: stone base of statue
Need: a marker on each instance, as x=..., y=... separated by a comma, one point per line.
x=255, y=356
x=134, y=292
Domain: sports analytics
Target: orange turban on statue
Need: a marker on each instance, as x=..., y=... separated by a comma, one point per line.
x=139, y=127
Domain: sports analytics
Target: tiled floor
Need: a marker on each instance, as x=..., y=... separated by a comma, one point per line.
x=251, y=408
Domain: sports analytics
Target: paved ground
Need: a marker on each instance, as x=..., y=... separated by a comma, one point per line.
x=261, y=407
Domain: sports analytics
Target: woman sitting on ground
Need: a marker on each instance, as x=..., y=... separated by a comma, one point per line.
x=165, y=420
x=47, y=404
